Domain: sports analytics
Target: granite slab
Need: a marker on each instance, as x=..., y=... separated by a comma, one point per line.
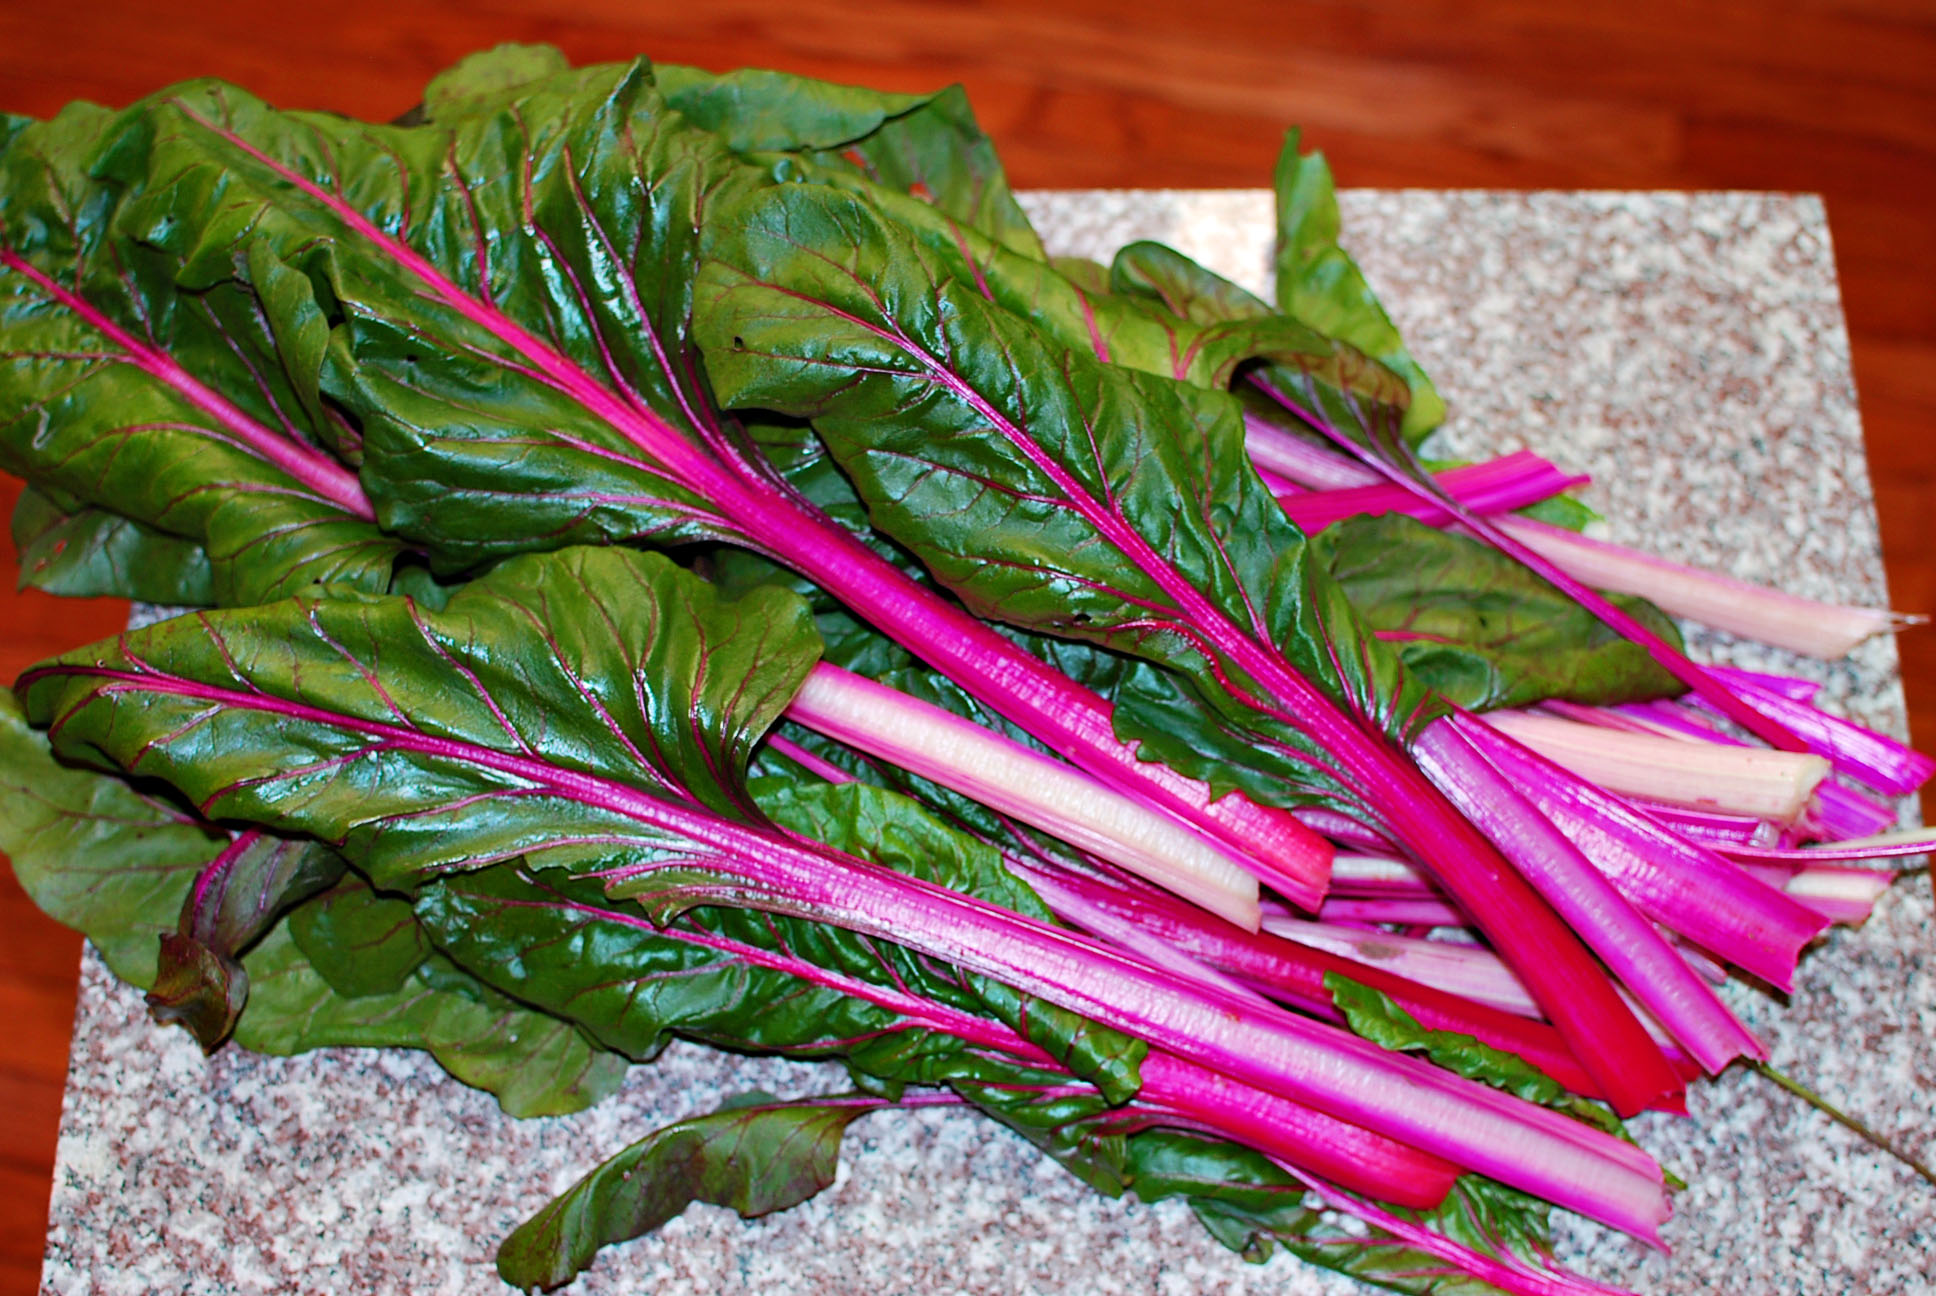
x=1686, y=349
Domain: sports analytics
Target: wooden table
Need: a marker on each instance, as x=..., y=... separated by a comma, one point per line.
x=1839, y=100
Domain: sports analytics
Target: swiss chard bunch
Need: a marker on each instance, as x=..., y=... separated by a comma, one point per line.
x=517, y=767
x=991, y=579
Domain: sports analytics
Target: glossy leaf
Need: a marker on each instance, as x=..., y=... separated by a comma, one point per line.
x=765, y=981
x=537, y=237
x=1489, y=1228
x=189, y=414
x=517, y=722
x=481, y=82
x=1043, y=488
x=360, y=941
x=506, y=405
x=755, y=1154
x=1185, y=289
x=95, y=852
x=1050, y=490
x=412, y=739
x=1319, y=283
x=928, y=147
x=86, y=552
x=197, y=989
x=239, y=896
x=1121, y=323
x=1481, y=629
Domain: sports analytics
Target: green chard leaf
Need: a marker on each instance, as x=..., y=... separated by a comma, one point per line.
x=756, y=1154
x=591, y=710
x=359, y=940
x=188, y=413
x=121, y=865
x=502, y=298
x=1481, y=1219
x=534, y=1064
x=85, y=552
x=481, y=82
x=1185, y=289
x=1040, y=486
x=409, y=739
x=1319, y=283
x=1120, y=322
x=94, y=851
x=1481, y=629
x=201, y=984
x=927, y=147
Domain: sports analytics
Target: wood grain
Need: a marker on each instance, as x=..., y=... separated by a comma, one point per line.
x=1831, y=96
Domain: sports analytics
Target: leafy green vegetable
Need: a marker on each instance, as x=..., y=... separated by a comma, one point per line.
x=201, y=984
x=755, y=1154
x=93, y=851
x=484, y=81
x=928, y=147
x=360, y=941
x=1043, y=488
x=764, y=982
x=84, y=552
x=543, y=653
x=1319, y=283
x=188, y=414
x=1481, y=629
x=534, y=1064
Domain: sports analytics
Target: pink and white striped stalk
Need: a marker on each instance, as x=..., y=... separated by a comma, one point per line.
x=1031, y=787
x=1458, y=756
x=1173, y=1091
x=1499, y=485
x=1686, y=887
x=1806, y=626
x=1293, y=972
x=1308, y=1062
x=1739, y=780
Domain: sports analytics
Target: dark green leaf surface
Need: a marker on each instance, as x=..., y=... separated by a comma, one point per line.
x=201, y=983
x=188, y=413
x=535, y=1065
x=1120, y=321
x=84, y=552
x=1481, y=629
x=93, y=851
x=480, y=82
x=358, y=940
x=1183, y=288
x=589, y=708
x=412, y=739
x=756, y=1155
x=1319, y=283
x=927, y=147
x=510, y=292
x=98, y=855
x=1043, y=488
x=1474, y=1215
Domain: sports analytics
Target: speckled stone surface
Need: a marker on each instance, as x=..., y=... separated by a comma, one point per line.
x=1688, y=351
